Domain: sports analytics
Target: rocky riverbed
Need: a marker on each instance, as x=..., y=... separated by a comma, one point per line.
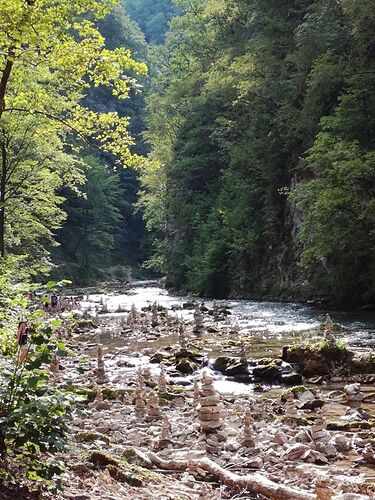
x=175, y=399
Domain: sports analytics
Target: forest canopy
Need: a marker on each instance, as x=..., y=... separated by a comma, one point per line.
x=253, y=130
x=262, y=124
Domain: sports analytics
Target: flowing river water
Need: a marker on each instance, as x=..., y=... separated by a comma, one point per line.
x=268, y=325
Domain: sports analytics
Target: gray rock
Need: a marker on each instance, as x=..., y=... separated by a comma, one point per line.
x=137, y=457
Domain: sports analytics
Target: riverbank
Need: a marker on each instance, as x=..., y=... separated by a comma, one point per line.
x=138, y=426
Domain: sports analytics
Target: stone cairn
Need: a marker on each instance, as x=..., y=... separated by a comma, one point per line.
x=162, y=382
x=243, y=355
x=129, y=320
x=99, y=403
x=216, y=312
x=248, y=439
x=182, y=338
x=318, y=430
x=166, y=429
x=134, y=314
x=101, y=376
x=198, y=320
x=329, y=329
x=196, y=393
x=153, y=409
x=146, y=373
x=354, y=395
x=235, y=328
x=290, y=406
x=165, y=433
x=140, y=405
x=120, y=308
x=209, y=413
x=168, y=319
x=154, y=315
x=146, y=320
x=54, y=366
x=141, y=383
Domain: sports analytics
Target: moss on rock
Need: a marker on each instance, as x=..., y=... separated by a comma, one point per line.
x=186, y=366
x=319, y=358
x=90, y=437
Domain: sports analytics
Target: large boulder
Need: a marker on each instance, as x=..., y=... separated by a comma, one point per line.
x=137, y=457
x=193, y=355
x=222, y=363
x=160, y=357
x=291, y=378
x=268, y=373
x=186, y=366
x=236, y=368
x=231, y=366
x=322, y=358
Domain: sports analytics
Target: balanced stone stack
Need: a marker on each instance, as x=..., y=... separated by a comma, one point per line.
x=145, y=321
x=209, y=413
x=318, y=430
x=166, y=429
x=329, y=329
x=146, y=373
x=129, y=320
x=140, y=379
x=235, y=328
x=212, y=443
x=198, y=320
x=101, y=376
x=354, y=395
x=196, y=393
x=290, y=406
x=134, y=315
x=99, y=403
x=153, y=409
x=154, y=315
x=248, y=439
x=243, y=355
x=168, y=319
x=140, y=405
x=162, y=382
x=216, y=312
x=182, y=339
x=54, y=366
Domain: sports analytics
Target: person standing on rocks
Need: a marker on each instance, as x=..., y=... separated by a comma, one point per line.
x=22, y=337
x=54, y=301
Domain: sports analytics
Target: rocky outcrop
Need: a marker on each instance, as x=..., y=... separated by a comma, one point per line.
x=231, y=366
x=268, y=372
x=324, y=358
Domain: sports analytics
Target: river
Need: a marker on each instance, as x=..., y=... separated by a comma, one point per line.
x=271, y=324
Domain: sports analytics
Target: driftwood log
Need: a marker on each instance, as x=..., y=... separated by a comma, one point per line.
x=254, y=483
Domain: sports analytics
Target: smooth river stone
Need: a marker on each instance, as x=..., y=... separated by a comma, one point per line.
x=209, y=410
x=209, y=417
x=210, y=401
x=206, y=426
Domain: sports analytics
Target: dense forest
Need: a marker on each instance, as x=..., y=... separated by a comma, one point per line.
x=250, y=153
x=262, y=126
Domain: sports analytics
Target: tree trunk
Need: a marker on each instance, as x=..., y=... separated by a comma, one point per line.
x=5, y=78
x=256, y=483
x=3, y=176
x=3, y=88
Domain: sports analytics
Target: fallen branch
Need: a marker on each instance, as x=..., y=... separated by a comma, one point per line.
x=254, y=483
